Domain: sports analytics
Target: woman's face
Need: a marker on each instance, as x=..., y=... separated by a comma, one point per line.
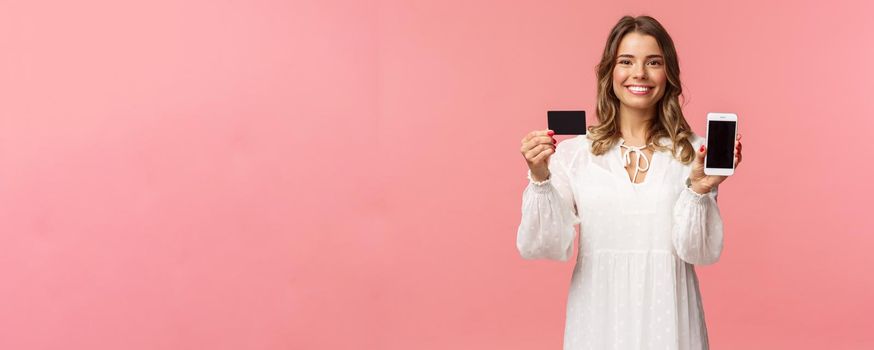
x=639, y=75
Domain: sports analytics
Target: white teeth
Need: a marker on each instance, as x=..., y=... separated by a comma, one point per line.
x=638, y=88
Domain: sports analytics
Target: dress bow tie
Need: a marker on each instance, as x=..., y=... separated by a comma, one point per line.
x=626, y=158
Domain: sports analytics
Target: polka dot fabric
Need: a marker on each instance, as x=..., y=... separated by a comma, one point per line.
x=634, y=284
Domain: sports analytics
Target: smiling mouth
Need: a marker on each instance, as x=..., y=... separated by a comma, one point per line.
x=639, y=89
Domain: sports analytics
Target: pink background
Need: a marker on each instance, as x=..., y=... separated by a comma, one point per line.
x=345, y=175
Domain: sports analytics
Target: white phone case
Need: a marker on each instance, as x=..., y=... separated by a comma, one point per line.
x=724, y=117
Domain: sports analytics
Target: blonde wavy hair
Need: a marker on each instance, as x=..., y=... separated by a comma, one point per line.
x=670, y=121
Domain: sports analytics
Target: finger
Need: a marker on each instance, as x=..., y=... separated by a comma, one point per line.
x=547, y=140
x=531, y=152
x=738, y=146
x=539, y=140
x=528, y=148
x=737, y=160
x=699, y=156
x=543, y=154
x=534, y=152
x=534, y=134
x=544, y=132
x=739, y=135
x=529, y=136
x=537, y=133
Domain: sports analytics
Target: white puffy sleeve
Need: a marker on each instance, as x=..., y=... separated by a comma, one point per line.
x=548, y=210
x=697, y=225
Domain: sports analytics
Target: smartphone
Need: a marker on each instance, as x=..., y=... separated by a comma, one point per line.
x=721, y=131
x=567, y=122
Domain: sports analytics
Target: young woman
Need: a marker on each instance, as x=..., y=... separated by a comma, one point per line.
x=636, y=186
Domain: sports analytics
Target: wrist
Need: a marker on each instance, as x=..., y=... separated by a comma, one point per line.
x=696, y=186
x=538, y=178
x=699, y=189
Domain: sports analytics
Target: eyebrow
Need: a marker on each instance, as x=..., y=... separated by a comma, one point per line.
x=632, y=56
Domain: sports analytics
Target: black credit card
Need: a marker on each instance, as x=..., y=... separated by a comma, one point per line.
x=567, y=122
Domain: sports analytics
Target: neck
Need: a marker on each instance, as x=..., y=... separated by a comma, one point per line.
x=634, y=124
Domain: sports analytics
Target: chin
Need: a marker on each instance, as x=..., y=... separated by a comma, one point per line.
x=638, y=105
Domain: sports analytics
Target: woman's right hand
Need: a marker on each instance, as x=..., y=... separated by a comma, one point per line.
x=537, y=147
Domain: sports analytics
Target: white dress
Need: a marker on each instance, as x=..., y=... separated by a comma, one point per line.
x=634, y=284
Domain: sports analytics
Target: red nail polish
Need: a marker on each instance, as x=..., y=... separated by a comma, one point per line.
x=554, y=141
x=550, y=133
x=701, y=149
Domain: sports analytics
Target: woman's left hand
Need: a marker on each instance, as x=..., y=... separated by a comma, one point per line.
x=702, y=183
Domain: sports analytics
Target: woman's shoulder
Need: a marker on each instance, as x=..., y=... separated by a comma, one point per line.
x=695, y=140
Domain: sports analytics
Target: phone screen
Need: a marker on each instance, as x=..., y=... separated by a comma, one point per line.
x=720, y=144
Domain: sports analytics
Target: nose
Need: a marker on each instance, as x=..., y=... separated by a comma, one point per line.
x=639, y=72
